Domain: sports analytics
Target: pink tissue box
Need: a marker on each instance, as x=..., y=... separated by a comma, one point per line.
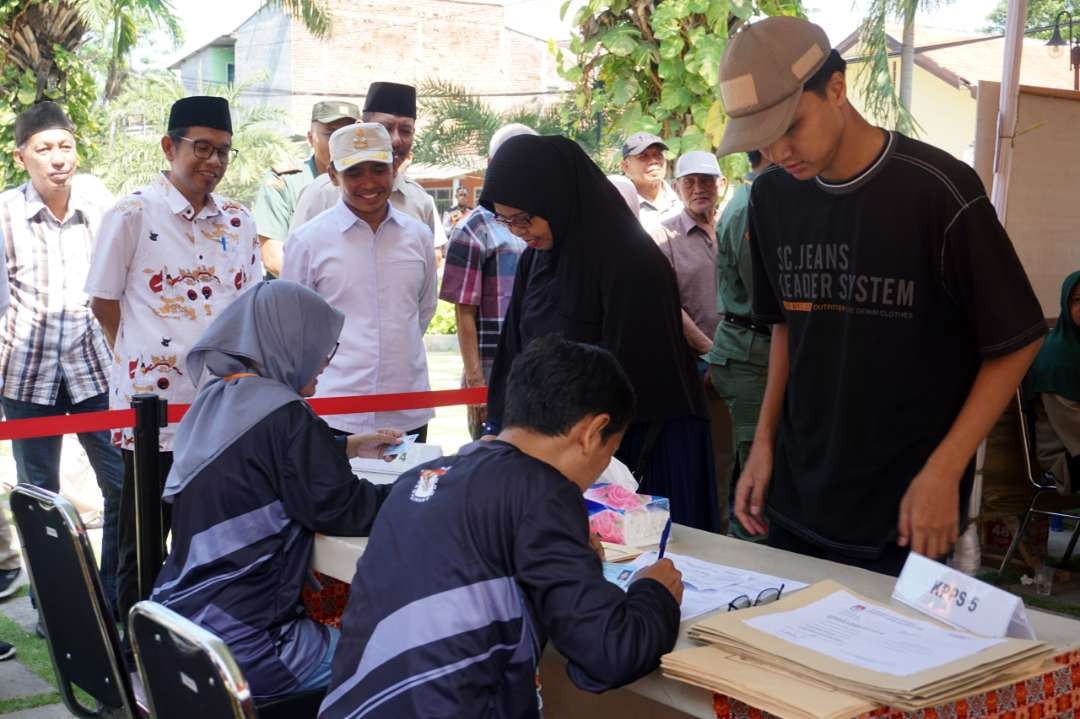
x=618, y=515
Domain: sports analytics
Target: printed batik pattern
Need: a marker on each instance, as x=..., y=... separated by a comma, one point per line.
x=182, y=269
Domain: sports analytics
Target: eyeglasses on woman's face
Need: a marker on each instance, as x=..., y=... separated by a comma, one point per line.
x=520, y=221
x=765, y=596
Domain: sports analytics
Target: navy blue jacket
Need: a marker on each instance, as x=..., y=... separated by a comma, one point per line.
x=242, y=535
x=474, y=562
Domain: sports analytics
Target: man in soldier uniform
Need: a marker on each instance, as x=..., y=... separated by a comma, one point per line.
x=282, y=184
x=739, y=358
x=394, y=107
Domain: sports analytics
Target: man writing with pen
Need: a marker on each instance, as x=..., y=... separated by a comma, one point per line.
x=496, y=542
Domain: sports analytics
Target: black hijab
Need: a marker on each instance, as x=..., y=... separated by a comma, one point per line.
x=606, y=281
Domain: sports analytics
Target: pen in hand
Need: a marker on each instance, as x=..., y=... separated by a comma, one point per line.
x=664, y=539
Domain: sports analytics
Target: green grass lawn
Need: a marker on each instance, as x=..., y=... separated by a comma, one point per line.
x=33, y=653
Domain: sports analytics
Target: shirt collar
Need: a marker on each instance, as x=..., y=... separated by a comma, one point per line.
x=179, y=205
x=664, y=200
x=687, y=224
x=344, y=218
x=35, y=204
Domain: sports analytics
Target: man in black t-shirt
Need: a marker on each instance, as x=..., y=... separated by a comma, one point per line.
x=902, y=318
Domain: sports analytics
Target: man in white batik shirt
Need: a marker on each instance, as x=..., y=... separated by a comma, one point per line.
x=169, y=258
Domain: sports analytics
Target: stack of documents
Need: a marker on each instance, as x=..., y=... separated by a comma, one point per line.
x=826, y=652
x=777, y=693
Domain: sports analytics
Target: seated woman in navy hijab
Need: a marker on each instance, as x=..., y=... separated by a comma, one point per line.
x=256, y=473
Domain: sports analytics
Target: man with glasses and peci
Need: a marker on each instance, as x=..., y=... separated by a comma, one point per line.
x=169, y=258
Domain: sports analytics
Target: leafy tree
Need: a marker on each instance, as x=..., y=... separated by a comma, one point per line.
x=49, y=50
x=117, y=25
x=140, y=117
x=38, y=61
x=642, y=65
x=1040, y=13
x=457, y=126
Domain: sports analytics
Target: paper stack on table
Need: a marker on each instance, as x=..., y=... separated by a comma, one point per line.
x=781, y=695
x=707, y=587
x=828, y=637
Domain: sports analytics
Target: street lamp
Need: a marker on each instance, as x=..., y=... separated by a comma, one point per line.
x=1057, y=44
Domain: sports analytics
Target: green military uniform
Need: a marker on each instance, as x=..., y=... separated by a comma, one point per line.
x=276, y=199
x=738, y=361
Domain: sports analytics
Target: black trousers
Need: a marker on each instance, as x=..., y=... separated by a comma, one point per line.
x=127, y=572
x=890, y=562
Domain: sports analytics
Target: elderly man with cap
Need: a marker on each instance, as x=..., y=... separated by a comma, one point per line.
x=478, y=279
x=53, y=358
x=644, y=163
x=375, y=264
x=688, y=240
x=902, y=320
x=394, y=107
x=169, y=258
x=282, y=185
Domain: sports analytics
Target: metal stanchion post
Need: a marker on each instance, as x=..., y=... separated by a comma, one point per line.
x=150, y=417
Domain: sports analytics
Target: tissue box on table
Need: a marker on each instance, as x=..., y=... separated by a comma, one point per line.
x=618, y=515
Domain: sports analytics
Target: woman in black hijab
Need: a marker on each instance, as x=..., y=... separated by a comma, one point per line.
x=592, y=274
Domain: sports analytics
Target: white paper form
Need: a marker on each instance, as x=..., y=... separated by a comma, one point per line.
x=708, y=586
x=880, y=640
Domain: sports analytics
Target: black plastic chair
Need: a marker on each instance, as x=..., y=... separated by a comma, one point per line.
x=83, y=641
x=188, y=671
x=1042, y=483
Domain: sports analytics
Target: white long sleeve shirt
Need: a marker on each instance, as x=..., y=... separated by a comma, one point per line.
x=384, y=283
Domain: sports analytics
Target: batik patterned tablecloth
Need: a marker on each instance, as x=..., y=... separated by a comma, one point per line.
x=1053, y=694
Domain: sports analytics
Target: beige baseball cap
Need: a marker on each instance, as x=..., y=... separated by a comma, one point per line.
x=762, y=75
x=360, y=142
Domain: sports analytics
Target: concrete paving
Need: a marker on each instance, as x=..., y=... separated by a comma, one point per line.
x=49, y=711
x=17, y=681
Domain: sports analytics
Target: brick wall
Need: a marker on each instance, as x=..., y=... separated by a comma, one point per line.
x=466, y=43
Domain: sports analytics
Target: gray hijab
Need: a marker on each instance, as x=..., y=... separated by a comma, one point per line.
x=279, y=330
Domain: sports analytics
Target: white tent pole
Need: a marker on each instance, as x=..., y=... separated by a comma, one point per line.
x=967, y=555
x=1007, y=105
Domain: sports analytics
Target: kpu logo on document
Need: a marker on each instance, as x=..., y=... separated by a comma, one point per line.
x=427, y=484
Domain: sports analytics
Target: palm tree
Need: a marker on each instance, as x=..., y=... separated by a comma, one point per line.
x=458, y=126
x=30, y=34
x=883, y=99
